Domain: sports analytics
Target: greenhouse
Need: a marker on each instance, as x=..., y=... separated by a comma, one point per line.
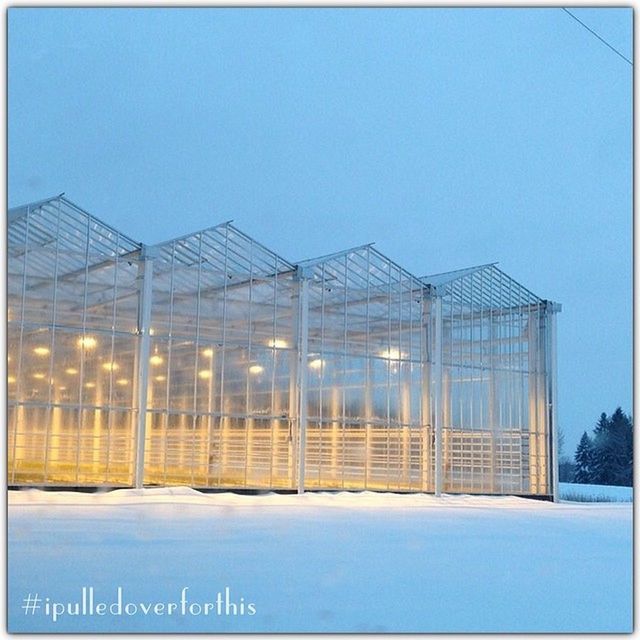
x=212, y=362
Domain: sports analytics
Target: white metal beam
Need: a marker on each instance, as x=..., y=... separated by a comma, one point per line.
x=552, y=396
x=302, y=375
x=145, y=283
x=438, y=409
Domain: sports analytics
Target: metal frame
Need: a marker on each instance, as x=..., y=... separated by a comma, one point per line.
x=145, y=279
x=211, y=361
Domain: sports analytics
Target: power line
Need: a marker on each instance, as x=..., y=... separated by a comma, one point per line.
x=597, y=36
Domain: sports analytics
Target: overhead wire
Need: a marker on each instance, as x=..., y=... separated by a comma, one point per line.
x=590, y=30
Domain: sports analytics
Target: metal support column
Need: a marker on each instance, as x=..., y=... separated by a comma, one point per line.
x=552, y=394
x=292, y=450
x=437, y=404
x=302, y=372
x=145, y=292
x=425, y=396
x=492, y=415
x=533, y=358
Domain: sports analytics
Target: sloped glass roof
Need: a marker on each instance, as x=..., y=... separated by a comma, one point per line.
x=363, y=270
x=56, y=229
x=79, y=236
x=482, y=286
x=223, y=255
x=56, y=239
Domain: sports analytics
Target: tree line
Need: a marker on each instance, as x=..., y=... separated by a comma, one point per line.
x=605, y=456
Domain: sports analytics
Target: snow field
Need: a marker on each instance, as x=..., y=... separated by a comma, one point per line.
x=320, y=562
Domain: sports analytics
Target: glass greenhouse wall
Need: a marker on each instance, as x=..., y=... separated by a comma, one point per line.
x=210, y=361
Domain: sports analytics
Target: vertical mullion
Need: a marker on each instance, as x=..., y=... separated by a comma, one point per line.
x=425, y=382
x=274, y=360
x=165, y=420
x=367, y=376
x=52, y=353
x=142, y=373
x=437, y=395
x=196, y=398
x=344, y=368
x=249, y=421
x=83, y=346
x=401, y=427
x=19, y=407
x=223, y=416
x=388, y=381
x=110, y=411
x=551, y=320
x=303, y=305
x=320, y=428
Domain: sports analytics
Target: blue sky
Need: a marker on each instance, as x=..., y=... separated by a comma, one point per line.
x=450, y=137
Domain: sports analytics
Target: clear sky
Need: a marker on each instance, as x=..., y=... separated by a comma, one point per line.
x=450, y=137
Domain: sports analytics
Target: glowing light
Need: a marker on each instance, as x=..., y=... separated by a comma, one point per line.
x=123, y=382
x=208, y=353
x=277, y=343
x=71, y=371
x=41, y=351
x=204, y=374
x=38, y=376
x=155, y=360
x=11, y=379
x=62, y=388
x=87, y=342
x=110, y=366
x=256, y=369
x=317, y=363
x=160, y=378
x=90, y=385
x=391, y=354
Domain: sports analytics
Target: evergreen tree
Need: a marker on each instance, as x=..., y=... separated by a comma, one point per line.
x=602, y=425
x=584, y=460
x=612, y=453
x=628, y=476
x=604, y=453
x=622, y=434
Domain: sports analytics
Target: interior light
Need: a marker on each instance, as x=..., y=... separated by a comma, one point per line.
x=205, y=374
x=110, y=366
x=316, y=364
x=123, y=382
x=208, y=353
x=391, y=354
x=90, y=385
x=256, y=369
x=87, y=342
x=277, y=343
x=11, y=379
x=156, y=360
x=41, y=351
x=71, y=371
x=38, y=376
x=160, y=378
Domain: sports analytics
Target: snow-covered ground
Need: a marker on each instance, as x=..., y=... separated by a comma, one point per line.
x=317, y=562
x=595, y=493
